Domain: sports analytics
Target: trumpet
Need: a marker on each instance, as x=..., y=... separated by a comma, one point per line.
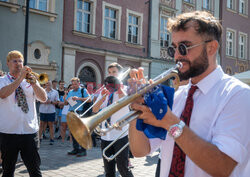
x=42, y=78
x=82, y=128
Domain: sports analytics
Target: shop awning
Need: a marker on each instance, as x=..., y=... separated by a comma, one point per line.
x=244, y=77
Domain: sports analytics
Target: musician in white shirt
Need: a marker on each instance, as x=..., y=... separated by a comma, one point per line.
x=216, y=142
x=113, y=93
x=19, y=124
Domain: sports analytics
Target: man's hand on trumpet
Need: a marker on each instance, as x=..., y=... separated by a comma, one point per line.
x=105, y=92
x=135, y=82
x=31, y=78
x=26, y=73
x=154, y=106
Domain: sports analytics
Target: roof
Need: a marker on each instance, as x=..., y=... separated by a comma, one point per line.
x=244, y=77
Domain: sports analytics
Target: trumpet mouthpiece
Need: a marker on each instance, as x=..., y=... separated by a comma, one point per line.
x=179, y=64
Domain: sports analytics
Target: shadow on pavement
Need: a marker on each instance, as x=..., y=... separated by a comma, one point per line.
x=55, y=156
x=151, y=160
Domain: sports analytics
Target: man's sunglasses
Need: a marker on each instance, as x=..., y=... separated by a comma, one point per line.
x=183, y=49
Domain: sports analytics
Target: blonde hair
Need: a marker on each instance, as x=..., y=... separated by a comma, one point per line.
x=14, y=54
x=75, y=79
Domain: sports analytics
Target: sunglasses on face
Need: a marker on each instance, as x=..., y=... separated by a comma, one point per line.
x=183, y=49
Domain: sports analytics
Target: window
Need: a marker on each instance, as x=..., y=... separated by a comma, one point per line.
x=83, y=17
x=38, y=53
x=133, y=26
x=243, y=6
x=231, y=4
x=4, y=0
x=165, y=36
x=230, y=45
x=207, y=4
x=242, y=46
x=189, y=1
x=39, y=4
x=111, y=21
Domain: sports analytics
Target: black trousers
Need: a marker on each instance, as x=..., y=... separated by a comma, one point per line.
x=76, y=146
x=158, y=167
x=27, y=145
x=121, y=160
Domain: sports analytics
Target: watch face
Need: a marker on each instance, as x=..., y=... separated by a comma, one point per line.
x=175, y=131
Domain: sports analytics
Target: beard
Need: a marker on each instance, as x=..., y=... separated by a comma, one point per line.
x=196, y=68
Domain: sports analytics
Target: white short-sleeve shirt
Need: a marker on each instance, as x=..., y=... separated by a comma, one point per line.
x=12, y=119
x=220, y=116
x=113, y=134
x=53, y=95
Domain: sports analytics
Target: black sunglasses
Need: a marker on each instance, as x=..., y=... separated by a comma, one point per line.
x=183, y=49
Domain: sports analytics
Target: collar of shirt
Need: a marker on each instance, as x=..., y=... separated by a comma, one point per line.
x=10, y=77
x=210, y=80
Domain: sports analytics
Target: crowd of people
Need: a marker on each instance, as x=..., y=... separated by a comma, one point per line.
x=202, y=130
x=51, y=115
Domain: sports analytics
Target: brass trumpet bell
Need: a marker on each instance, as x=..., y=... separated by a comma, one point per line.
x=42, y=78
x=80, y=129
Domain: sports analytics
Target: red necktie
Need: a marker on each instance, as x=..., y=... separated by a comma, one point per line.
x=178, y=160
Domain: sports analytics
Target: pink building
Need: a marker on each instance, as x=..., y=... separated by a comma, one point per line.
x=235, y=48
x=97, y=33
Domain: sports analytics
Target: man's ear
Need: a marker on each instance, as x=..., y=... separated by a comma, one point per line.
x=212, y=47
x=8, y=62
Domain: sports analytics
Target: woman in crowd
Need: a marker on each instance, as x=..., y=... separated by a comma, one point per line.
x=64, y=114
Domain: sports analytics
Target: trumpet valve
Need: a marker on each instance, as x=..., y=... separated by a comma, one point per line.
x=117, y=126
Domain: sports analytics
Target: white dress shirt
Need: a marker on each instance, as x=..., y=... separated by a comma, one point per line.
x=220, y=116
x=12, y=119
x=49, y=108
x=113, y=134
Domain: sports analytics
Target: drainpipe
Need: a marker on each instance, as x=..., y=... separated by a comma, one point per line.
x=220, y=18
x=62, y=61
x=26, y=33
x=62, y=65
x=149, y=35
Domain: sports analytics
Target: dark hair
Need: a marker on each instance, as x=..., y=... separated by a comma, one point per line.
x=54, y=81
x=69, y=86
x=118, y=66
x=61, y=81
x=205, y=24
x=111, y=82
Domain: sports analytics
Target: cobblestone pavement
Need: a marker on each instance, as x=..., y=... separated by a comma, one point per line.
x=56, y=162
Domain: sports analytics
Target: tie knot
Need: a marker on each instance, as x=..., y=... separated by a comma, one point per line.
x=192, y=90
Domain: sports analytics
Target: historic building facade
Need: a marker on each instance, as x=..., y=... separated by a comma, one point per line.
x=160, y=38
x=235, y=48
x=97, y=33
x=44, y=37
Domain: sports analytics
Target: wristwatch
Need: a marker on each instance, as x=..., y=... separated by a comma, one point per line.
x=176, y=130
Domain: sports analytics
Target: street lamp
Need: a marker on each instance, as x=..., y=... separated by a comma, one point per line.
x=26, y=31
